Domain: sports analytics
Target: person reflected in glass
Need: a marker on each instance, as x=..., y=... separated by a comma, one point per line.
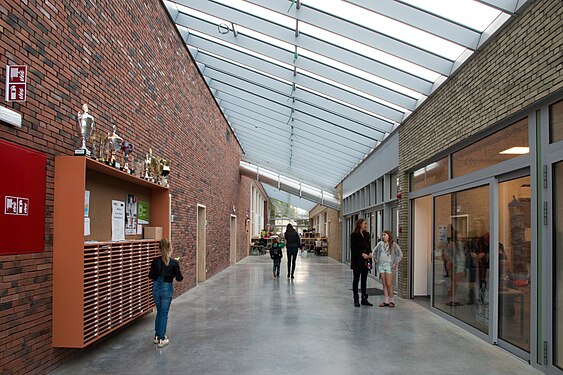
x=163, y=271
x=387, y=255
x=457, y=267
x=292, y=244
x=360, y=248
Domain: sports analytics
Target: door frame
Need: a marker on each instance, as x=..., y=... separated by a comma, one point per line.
x=552, y=156
x=201, y=239
x=233, y=241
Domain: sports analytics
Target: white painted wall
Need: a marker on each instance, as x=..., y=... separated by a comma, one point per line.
x=422, y=242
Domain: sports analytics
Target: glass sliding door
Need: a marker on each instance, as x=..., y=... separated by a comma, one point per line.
x=461, y=255
x=514, y=254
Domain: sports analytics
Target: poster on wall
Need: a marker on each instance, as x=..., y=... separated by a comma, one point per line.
x=131, y=215
x=86, y=203
x=143, y=212
x=117, y=220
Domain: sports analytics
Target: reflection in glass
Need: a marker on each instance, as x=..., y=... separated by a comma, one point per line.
x=430, y=174
x=506, y=144
x=558, y=263
x=461, y=256
x=514, y=262
x=556, y=122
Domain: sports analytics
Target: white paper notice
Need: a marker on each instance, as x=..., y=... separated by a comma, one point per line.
x=117, y=220
x=139, y=229
x=86, y=203
x=86, y=226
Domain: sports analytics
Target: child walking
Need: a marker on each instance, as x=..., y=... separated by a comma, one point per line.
x=276, y=254
x=164, y=270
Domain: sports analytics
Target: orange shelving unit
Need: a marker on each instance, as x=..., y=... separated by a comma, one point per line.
x=99, y=285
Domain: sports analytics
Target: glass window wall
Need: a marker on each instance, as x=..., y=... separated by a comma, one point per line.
x=556, y=122
x=461, y=255
x=430, y=174
x=505, y=144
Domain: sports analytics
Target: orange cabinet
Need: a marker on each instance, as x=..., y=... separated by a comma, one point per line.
x=99, y=285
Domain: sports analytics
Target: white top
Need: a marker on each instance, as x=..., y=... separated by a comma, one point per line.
x=385, y=256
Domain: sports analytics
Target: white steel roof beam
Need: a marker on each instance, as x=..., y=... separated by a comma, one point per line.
x=304, y=130
x=300, y=92
x=422, y=20
x=315, y=127
x=336, y=75
x=360, y=128
x=336, y=25
x=313, y=180
x=308, y=167
x=305, y=142
x=278, y=141
x=331, y=51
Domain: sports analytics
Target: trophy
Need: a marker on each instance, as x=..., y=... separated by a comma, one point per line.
x=86, y=126
x=127, y=148
x=156, y=168
x=114, y=142
x=98, y=140
x=165, y=171
x=147, y=166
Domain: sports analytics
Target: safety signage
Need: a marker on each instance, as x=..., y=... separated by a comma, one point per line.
x=16, y=83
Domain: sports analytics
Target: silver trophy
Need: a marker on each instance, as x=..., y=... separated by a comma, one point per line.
x=86, y=126
x=114, y=143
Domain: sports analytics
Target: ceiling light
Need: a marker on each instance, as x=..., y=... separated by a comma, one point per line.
x=516, y=151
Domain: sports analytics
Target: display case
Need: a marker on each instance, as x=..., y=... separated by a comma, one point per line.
x=99, y=285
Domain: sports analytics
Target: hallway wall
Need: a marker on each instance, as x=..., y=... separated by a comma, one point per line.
x=520, y=66
x=127, y=61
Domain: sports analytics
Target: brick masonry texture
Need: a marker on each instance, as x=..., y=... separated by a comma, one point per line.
x=520, y=66
x=126, y=60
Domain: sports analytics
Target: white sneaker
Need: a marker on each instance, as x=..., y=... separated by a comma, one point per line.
x=155, y=340
x=163, y=342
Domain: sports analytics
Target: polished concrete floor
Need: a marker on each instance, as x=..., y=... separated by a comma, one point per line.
x=242, y=321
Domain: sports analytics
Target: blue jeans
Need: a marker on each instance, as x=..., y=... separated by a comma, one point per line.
x=277, y=263
x=162, y=295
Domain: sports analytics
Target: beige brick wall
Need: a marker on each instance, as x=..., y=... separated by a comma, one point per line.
x=519, y=67
x=334, y=236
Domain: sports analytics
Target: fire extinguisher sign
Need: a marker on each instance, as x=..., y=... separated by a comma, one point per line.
x=16, y=83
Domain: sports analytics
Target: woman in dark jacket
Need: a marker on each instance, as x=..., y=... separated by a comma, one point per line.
x=163, y=271
x=360, y=247
x=292, y=244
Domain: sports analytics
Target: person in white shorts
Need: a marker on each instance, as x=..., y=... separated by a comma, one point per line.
x=387, y=255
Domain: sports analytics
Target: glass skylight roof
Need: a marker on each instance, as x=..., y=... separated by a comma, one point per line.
x=344, y=73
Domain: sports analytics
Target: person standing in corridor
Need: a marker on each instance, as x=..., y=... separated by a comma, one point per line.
x=388, y=255
x=360, y=260
x=163, y=271
x=292, y=244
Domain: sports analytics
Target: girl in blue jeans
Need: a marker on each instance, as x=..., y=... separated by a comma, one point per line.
x=163, y=271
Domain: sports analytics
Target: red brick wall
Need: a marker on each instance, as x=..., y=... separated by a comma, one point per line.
x=127, y=62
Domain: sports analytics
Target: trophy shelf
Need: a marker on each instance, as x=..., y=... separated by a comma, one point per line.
x=99, y=285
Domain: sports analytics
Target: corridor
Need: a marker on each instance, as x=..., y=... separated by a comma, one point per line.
x=243, y=321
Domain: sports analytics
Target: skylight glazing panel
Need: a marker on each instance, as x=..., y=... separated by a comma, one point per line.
x=352, y=90
x=202, y=16
x=240, y=49
x=261, y=12
x=472, y=14
x=359, y=73
x=367, y=51
x=350, y=105
x=267, y=39
x=389, y=27
x=248, y=67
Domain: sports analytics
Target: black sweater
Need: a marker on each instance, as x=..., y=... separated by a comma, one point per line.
x=359, y=245
x=292, y=240
x=168, y=272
